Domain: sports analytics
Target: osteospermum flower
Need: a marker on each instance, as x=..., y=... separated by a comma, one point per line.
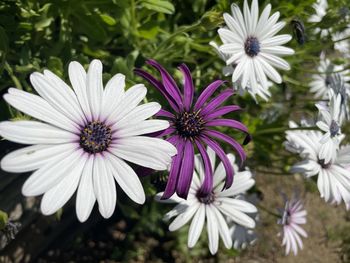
x=330, y=123
x=251, y=43
x=292, y=216
x=212, y=208
x=322, y=82
x=333, y=179
x=191, y=125
x=83, y=138
x=260, y=91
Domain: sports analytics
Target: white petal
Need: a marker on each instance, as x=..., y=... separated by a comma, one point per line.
x=240, y=68
x=145, y=151
x=196, y=226
x=57, y=196
x=131, y=99
x=86, y=197
x=112, y=95
x=274, y=30
x=269, y=71
x=233, y=25
x=38, y=108
x=104, y=187
x=77, y=76
x=268, y=25
x=277, y=50
x=275, y=41
x=184, y=217
x=223, y=228
x=212, y=229
x=275, y=61
x=95, y=87
x=240, y=205
x=50, y=174
x=33, y=157
x=32, y=132
x=227, y=36
x=263, y=19
x=237, y=216
x=48, y=90
x=138, y=114
x=142, y=127
x=237, y=15
x=127, y=179
x=68, y=95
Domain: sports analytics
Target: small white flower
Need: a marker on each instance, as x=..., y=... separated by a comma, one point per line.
x=293, y=214
x=320, y=8
x=322, y=82
x=251, y=44
x=330, y=122
x=242, y=236
x=333, y=179
x=212, y=208
x=83, y=138
x=342, y=46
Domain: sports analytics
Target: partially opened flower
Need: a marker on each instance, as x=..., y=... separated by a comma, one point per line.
x=330, y=122
x=292, y=216
x=322, y=82
x=333, y=179
x=83, y=138
x=252, y=45
x=214, y=208
x=191, y=126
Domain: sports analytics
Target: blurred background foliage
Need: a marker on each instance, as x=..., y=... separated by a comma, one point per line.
x=124, y=33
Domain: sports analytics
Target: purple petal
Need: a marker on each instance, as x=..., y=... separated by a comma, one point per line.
x=164, y=113
x=221, y=111
x=188, y=86
x=214, y=103
x=207, y=185
x=186, y=171
x=207, y=93
x=159, y=86
x=238, y=148
x=174, y=171
x=225, y=161
x=168, y=82
x=228, y=123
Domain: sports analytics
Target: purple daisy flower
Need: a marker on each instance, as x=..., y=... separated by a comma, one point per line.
x=191, y=126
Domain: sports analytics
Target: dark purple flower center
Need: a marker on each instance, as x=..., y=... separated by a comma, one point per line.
x=189, y=124
x=328, y=80
x=323, y=164
x=205, y=198
x=95, y=137
x=334, y=129
x=252, y=46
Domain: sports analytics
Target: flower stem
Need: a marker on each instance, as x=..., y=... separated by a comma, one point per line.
x=283, y=129
x=268, y=211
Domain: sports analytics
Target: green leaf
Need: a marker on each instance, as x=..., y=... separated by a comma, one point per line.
x=3, y=219
x=160, y=6
x=108, y=19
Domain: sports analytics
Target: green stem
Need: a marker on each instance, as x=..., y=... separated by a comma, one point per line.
x=282, y=129
x=12, y=76
x=180, y=31
x=268, y=211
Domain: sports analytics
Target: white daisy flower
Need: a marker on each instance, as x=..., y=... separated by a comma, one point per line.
x=321, y=83
x=212, y=208
x=242, y=236
x=340, y=87
x=344, y=45
x=83, y=138
x=264, y=93
x=292, y=216
x=330, y=123
x=333, y=179
x=252, y=45
x=320, y=8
